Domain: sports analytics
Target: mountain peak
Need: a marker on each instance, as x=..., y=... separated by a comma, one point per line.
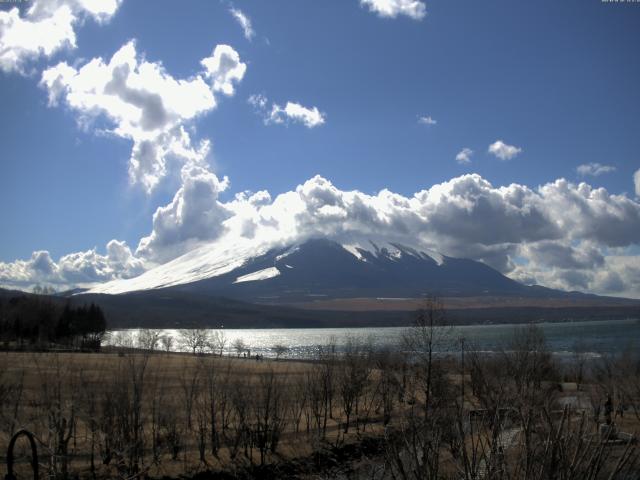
x=320, y=267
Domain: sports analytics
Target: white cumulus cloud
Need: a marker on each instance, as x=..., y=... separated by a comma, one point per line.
x=392, y=8
x=463, y=157
x=145, y=103
x=194, y=215
x=46, y=27
x=617, y=274
x=74, y=269
x=465, y=216
x=224, y=68
x=636, y=182
x=292, y=112
x=594, y=169
x=561, y=234
x=427, y=120
x=504, y=151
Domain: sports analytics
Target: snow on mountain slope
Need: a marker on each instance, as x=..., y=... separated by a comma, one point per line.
x=391, y=250
x=199, y=264
x=245, y=262
x=355, y=251
x=263, y=274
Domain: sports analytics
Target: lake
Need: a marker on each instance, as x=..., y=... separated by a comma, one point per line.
x=595, y=337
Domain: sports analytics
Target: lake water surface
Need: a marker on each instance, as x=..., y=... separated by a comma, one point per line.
x=597, y=337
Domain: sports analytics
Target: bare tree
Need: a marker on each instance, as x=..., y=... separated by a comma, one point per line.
x=195, y=340
x=353, y=373
x=167, y=342
x=527, y=362
x=239, y=346
x=57, y=407
x=268, y=414
x=148, y=339
x=160, y=406
x=190, y=383
x=415, y=444
x=136, y=369
x=317, y=395
x=123, y=340
x=430, y=334
x=321, y=381
x=279, y=350
x=628, y=382
x=237, y=435
x=11, y=395
x=123, y=418
x=389, y=384
x=217, y=342
x=88, y=412
x=298, y=401
x=211, y=402
x=579, y=362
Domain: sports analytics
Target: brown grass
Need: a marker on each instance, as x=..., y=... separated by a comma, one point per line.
x=85, y=376
x=42, y=391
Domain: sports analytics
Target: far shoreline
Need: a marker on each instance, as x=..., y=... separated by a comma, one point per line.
x=593, y=336
x=353, y=327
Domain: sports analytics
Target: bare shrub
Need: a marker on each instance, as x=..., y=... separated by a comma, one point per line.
x=268, y=409
x=239, y=346
x=280, y=350
x=56, y=411
x=148, y=339
x=196, y=340
x=217, y=342
x=352, y=376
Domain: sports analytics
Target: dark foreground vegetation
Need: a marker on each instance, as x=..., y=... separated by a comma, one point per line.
x=41, y=322
x=361, y=414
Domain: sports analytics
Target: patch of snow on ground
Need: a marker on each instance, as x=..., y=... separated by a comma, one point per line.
x=353, y=250
x=259, y=275
x=438, y=258
x=287, y=253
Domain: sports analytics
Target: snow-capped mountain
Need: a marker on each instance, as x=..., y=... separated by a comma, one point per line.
x=318, y=269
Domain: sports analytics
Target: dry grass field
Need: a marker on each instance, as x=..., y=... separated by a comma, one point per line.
x=360, y=414
x=88, y=411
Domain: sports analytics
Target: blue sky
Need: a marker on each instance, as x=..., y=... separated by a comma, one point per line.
x=557, y=81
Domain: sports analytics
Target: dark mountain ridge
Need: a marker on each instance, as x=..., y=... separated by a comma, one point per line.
x=321, y=268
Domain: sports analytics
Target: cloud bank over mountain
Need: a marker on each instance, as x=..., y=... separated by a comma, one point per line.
x=562, y=234
x=73, y=269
